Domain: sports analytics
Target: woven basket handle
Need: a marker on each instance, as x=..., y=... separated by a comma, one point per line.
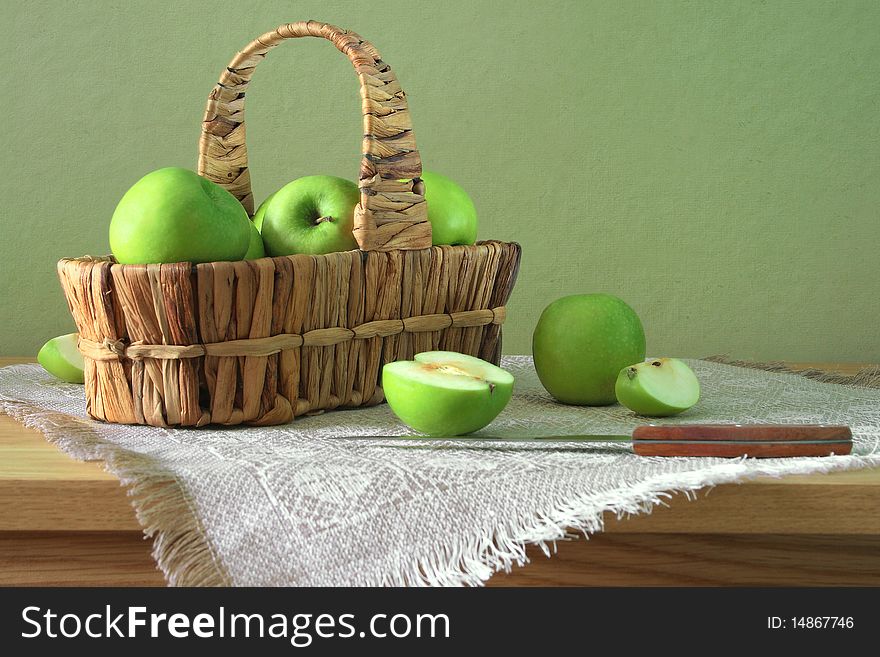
x=391, y=214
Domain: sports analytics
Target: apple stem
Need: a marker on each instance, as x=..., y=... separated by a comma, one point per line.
x=321, y=220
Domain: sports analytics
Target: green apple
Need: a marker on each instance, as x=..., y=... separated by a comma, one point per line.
x=60, y=357
x=581, y=343
x=658, y=387
x=255, y=247
x=314, y=214
x=261, y=211
x=451, y=211
x=444, y=393
x=175, y=215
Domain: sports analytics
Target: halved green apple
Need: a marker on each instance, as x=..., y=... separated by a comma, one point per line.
x=658, y=387
x=60, y=357
x=444, y=393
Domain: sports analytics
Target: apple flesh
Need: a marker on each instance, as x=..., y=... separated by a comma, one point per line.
x=60, y=357
x=314, y=214
x=580, y=344
x=175, y=215
x=255, y=247
x=451, y=211
x=658, y=387
x=444, y=393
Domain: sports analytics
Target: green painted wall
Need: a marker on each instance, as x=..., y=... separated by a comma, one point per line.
x=716, y=164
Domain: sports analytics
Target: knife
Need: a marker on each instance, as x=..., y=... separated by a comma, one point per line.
x=721, y=440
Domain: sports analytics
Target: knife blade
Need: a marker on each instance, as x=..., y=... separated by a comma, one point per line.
x=720, y=440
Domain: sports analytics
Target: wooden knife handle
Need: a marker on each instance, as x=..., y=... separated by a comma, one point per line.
x=738, y=432
x=734, y=440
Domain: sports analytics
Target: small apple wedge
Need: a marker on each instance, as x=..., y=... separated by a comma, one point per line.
x=657, y=387
x=444, y=393
x=60, y=357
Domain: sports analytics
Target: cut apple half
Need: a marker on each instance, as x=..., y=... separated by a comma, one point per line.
x=658, y=387
x=60, y=357
x=445, y=393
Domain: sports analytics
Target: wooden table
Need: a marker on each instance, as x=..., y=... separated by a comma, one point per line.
x=65, y=522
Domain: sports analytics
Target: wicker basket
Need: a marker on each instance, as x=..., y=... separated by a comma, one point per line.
x=264, y=341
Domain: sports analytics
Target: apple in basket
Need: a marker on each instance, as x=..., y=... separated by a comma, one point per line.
x=444, y=393
x=658, y=387
x=451, y=211
x=314, y=214
x=176, y=215
x=261, y=212
x=255, y=246
x=581, y=343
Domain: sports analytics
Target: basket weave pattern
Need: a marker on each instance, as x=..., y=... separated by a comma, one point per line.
x=263, y=341
x=336, y=318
